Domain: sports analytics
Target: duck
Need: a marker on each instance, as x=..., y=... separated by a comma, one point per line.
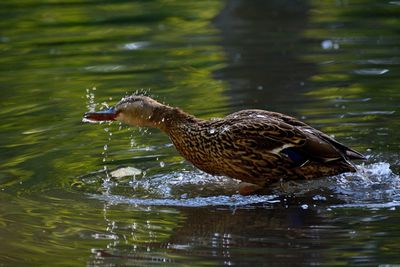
x=257, y=147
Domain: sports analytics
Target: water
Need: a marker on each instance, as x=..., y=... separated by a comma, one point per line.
x=333, y=64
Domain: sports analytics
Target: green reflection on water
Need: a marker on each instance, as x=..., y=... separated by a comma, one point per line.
x=61, y=49
x=356, y=86
x=53, y=50
x=68, y=227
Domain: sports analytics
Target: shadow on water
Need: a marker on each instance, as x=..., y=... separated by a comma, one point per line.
x=262, y=51
x=215, y=241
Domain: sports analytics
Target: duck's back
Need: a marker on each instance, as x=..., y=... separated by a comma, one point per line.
x=261, y=147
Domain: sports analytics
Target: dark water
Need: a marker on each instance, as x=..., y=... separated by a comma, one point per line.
x=334, y=64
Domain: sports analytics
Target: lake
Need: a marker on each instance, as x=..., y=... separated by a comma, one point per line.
x=333, y=64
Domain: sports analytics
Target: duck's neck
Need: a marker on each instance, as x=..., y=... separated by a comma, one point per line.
x=168, y=118
x=192, y=138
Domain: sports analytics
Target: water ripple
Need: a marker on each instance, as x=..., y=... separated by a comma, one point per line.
x=374, y=112
x=134, y=46
x=392, y=205
x=370, y=71
x=104, y=68
x=232, y=201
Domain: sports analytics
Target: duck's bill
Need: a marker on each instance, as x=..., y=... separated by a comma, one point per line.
x=103, y=115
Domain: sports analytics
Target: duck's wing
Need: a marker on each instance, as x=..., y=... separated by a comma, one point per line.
x=346, y=152
x=282, y=135
x=305, y=128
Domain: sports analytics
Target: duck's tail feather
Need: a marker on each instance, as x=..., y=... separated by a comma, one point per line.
x=352, y=154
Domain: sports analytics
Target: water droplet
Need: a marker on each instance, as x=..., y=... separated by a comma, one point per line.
x=211, y=131
x=162, y=164
x=90, y=104
x=105, y=147
x=224, y=129
x=132, y=141
x=304, y=206
x=319, y=197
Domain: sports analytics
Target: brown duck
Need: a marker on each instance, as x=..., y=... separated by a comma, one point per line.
x=255, y=146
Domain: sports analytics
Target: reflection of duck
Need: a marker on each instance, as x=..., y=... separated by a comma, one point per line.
x=257, y=147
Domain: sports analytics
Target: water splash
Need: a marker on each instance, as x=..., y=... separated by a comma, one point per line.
x=373, y=186
x=90, y=103
x=132, y=141
x=105, y=147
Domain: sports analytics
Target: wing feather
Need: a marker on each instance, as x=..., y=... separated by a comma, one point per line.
x=270, y=132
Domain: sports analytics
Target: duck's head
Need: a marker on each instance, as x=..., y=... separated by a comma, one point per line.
x=135, y=110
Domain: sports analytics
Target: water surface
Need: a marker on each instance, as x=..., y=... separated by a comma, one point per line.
x=333, y=64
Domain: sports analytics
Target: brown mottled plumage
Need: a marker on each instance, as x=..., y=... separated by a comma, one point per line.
x=254, y=146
